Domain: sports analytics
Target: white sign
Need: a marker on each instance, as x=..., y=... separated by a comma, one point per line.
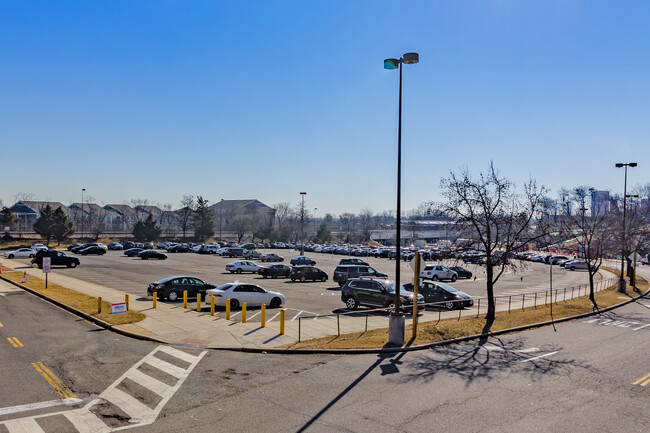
x=7, y=229
x=634, y=257
x=118, y=308
x=47, y=262
x=25, y=278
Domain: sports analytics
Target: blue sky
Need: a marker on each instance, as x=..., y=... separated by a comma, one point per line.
x=264, y=99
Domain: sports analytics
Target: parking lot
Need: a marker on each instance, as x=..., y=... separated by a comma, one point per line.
x=132, y=275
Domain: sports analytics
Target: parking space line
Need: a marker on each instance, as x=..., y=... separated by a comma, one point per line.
x=15, y=342
x=296, y=316
x=250, y=317
x=643, y=381
x=540, y=356
x=276, y=315
x=53, y=380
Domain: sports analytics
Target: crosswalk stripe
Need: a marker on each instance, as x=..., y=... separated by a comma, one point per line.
x=25, y=425
x=132, y=406
x=166, y=367
x=149, y=382
x=178, y=354
x=86, y=421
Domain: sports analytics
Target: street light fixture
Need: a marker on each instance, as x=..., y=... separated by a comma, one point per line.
x=396, y=320
x=621, y=282
x=82, y=212
x=315, y=232
x=220, y=219
x=302, y=224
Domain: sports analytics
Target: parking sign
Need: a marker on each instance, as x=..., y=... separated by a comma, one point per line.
x=47, y=262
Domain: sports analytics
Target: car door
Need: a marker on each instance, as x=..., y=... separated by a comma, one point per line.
x=259, y=296
x=241, y=293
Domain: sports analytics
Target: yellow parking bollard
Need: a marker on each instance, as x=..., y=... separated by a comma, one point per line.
x=99, y=305
x=198, y=302
x=281, y=322
x=263, y=319
x=155, y=299
x=126, y=301
x=212, y=306
x=184, y=298
x=227, y=309
x=243, y=312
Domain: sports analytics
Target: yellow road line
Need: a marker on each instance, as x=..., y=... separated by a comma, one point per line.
x=1, y=325
x=645, y=378
x=15, y=342
x=56, y=379
x=63, y=390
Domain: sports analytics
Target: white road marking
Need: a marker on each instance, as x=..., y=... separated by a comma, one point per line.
x=250, y=317
x=640, y=327
x=503, y=349
x=276, y=315
x=296, y=316
x=41, y=405
x=24, y=425
x=540, y=356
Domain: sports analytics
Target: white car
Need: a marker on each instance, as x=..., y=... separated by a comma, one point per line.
x=39, y=247
x=238, y=293
x=578, y=264
x=438, y=272
x=20, y=252
x=242, y=266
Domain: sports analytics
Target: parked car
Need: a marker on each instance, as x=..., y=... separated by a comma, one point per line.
x=578, y=264
x=274, y=271
x=271, y=257
x=438, y=272
x=556, y=259
x=57, y=258
x=171, y=288
x=304, y=273
x=39, y=247
x=73, y=246
x=20, y=252
x=115, y=246
x=376, y=293
x=133, y=252
x=302, y=260
x=343, y=272
x=353, y=262
x=242, y=266
x=93, y=249
x=238, y=293
x=461, y=272
x=128, y=244
x=152, y=254
x=233, y=252
x=251, y=254
x=182, y=248
x=443, y=294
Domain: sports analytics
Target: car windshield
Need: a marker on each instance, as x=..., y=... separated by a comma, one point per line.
x=447, y=287
x=224, y=287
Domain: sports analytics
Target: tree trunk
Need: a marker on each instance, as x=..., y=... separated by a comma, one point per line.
x=490, y=291
x=592, y=296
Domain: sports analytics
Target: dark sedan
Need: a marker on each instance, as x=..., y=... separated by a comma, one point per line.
x=92, y=250
x=462, y=272
x=172, y=288
x=304, y=273
x=274, y=271
x=179, y=249
x=133, y=252
x=302, y=260
x=443, y=295
x=152, y=254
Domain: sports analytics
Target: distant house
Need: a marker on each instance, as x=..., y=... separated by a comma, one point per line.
x=120, y=218
x=226, y=209
x=88, y=217
x=28, y=212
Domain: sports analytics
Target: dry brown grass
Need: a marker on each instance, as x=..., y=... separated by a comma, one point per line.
x=85, y=303
x=431, y=332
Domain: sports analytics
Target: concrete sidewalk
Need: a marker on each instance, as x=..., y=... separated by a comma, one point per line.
x=172, y=324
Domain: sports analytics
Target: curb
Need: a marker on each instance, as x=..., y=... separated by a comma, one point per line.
x=136, y=336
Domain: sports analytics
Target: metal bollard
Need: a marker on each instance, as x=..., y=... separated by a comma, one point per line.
x=243, y=312
x=198, y=302
x=227, y=309
x=99, y=305
x=155, y=299
x=263, y=318
x=281, y=322
x=184, y=298
x=212, y=306
x=126, y=301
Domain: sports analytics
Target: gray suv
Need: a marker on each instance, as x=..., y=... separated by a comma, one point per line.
x=343, y=272
x=374, y=292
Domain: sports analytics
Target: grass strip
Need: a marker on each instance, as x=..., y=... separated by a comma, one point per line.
x=80, y=301
x=447, y=329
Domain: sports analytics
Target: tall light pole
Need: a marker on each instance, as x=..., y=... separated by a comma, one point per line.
x=220, y=219
x=315, y=232
x=302, y=224
x=396, y=321
x=621, y=282
x=82, y=212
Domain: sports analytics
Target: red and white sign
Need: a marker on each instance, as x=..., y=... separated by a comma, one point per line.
x=118, y=308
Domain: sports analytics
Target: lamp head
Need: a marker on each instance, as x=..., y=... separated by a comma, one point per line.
x=632, y=164
x=619, y=164
x=410, y=58
x=303, y=193
x=391, y=63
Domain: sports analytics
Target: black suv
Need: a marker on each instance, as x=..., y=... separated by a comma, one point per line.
x=304, y=273
x=353, y=262
x=374, y=292
x=343, y=272
x=58, y=258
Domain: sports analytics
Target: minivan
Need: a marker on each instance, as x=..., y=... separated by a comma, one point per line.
x=343, y=272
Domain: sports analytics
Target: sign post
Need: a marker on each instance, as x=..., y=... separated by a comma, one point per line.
x=634, y=257
x=47, y=263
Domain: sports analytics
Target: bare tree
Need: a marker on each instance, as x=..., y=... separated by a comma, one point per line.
x=367, y=224
x=240, y=224
x=24, y=196
x=348, y=223
x=185, y=213
x=490, y=213
x=565, y=201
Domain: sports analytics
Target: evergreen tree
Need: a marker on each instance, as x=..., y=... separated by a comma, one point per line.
x=324, y=234
x=62, y=227
x=7, y=217
x=44, y=225
x=147, y=230
x=203, y=220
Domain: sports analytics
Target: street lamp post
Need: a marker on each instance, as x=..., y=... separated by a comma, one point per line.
x=82, y=212
x=621, y=282
x=396, y=321
x=302, y=224
x=220, y=219
x=315, y=232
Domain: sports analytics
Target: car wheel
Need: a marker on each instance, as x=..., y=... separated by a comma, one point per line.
x=172, y=296
x=303, y=279
x=351, y=303
x=11, y=256
x=239, y=271
x=323, y=279
x=275, y=275
x=573, y=268
x=31, y=256
x=264, y=276
x=453, y=278
x=340, y=284
x=234, y=304
x=449, y=305
x=276, y=302
x=435, y=278
x=293, y=280
x=73, y=265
